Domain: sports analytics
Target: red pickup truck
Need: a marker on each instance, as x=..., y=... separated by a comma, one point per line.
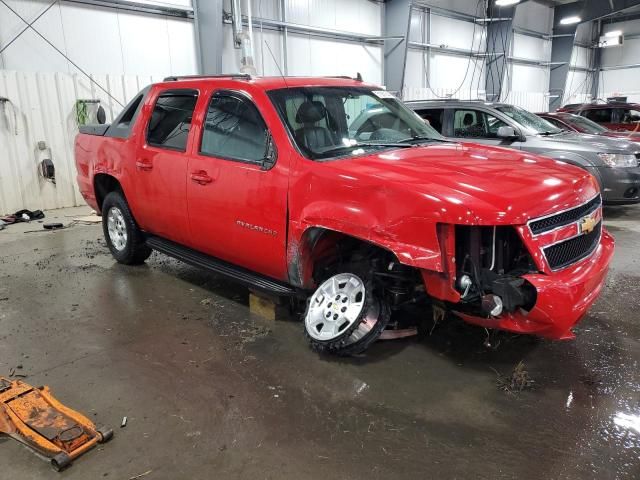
x=299, y=186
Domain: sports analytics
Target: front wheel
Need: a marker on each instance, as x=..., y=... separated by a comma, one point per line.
x=344, y=315
x=124, y=238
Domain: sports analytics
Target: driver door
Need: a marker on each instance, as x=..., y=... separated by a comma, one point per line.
x=236, y=190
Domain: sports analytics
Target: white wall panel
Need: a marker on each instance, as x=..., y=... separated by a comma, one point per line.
x=315, y=56
x=359, y=16
x=581, y=57
x=99, y=40
x=457, y=33
x=136, y=30
x=414, y=74
x=43, y=104
x=578, y=87
x=620, y=82
x=626, y=54
x=534, y=16
x=531, y=48
x=92, y=39
x=29, y=51
x=526, y=78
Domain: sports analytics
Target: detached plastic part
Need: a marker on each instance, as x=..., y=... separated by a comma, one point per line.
x=35, y=418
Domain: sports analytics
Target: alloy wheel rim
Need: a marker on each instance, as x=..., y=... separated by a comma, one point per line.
x=117, y=228
x=335, y=306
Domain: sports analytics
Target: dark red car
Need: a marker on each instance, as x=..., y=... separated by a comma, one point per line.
x=616, y=116
x=577, y=123
x=275, y=183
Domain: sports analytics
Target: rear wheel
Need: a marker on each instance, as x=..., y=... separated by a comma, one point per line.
x=124, y=238
x=344, y=315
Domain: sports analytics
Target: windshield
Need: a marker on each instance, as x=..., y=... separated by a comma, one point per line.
x=330, y=122
x=584, y=125
x=529, y=120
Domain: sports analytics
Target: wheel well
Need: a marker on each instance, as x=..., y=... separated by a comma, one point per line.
x=323, y=250
x=104, y=184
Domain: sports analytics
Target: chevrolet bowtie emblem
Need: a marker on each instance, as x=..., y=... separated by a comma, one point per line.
x=587, y=224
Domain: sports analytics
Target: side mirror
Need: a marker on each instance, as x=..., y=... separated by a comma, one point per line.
x=506, y=132
x=270, y=154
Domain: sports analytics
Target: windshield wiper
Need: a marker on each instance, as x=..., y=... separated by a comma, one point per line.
x=547, y=133
x=365, y=145
x=425, y=137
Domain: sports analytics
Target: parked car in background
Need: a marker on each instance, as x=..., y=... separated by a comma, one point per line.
x=613, y=162
x=268, y=181
x=618, y=116
x=576, y=123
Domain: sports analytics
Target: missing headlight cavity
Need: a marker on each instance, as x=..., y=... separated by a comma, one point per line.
x=491, y=261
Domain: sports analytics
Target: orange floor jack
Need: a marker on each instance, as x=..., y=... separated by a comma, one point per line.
x=33, y=417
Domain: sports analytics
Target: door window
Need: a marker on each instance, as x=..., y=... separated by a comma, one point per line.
x=171, y=119
x=434, y=117
x=630, y=116
x=475, y=124
x=599, y=115
x=234, y=129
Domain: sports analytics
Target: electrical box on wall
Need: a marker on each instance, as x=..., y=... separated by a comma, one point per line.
x=611, y=41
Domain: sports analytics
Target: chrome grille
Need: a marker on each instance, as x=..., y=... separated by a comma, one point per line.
x=567, y=217
x=573, y=250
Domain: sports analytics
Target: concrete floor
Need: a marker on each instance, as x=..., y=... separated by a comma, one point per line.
x=212, y=391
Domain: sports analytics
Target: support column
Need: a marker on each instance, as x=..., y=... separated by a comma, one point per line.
x=499, y=37
x=207, y=15
x=397, y=20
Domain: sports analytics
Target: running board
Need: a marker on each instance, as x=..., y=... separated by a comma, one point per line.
x=197, y=259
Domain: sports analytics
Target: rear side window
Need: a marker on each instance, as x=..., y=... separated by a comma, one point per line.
x=599, y=115
x=171, y=119
x=234, y=129
x=434, y=117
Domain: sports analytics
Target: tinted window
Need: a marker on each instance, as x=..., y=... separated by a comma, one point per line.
x=433, y=117
x=475, y=124
x=598, y=115
x=630, y=116
x=556, y=123
x=127, y=116
x=171, y=119
x=234, y=129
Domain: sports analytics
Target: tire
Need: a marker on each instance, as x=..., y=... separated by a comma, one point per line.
x=361, y=330
x=124, y=239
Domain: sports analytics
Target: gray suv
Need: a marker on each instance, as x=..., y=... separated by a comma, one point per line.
x=614, y=162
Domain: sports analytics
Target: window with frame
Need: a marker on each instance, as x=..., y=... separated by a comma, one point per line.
x=234, y=129
x=599, y=115
x=630, y=116
x=433, y=117
x=171, y=119
x=475, y=124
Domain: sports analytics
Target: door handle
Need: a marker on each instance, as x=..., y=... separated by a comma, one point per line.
x=142, y=165
x=201, y=177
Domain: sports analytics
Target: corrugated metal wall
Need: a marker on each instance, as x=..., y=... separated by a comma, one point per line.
x=41, y=107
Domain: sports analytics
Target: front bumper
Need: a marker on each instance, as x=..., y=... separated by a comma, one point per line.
x=619, y=185
x=563, y=297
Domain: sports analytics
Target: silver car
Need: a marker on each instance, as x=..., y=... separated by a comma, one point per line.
x=614, y=162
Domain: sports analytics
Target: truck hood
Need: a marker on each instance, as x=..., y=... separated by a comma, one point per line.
x=469, y=183
x=583, y=142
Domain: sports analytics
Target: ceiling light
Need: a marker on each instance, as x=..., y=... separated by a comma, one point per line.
x=504, y=3
x=570, y=20
x=613, y=33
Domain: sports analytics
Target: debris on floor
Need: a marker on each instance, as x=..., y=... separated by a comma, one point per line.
x=517, y=381
x=35, y=418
